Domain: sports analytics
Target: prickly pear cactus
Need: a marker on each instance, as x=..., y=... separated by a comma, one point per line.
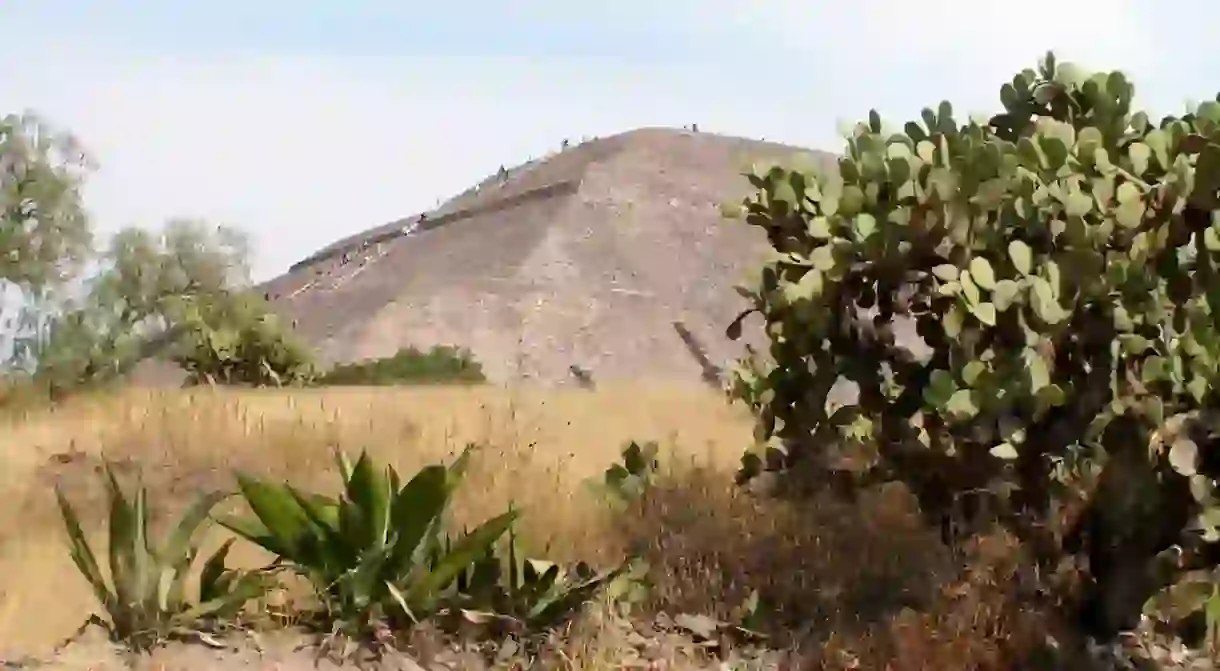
x=1060, y=262
x=631, y=478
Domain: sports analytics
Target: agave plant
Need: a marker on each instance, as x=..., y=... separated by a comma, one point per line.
x=377, y=550
x=536, y=592
x=146, y=599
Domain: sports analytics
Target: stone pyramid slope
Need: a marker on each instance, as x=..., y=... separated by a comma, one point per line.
x=610, y=258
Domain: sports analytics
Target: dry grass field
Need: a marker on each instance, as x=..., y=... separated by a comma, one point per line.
x=537, y=449
x=829, y=572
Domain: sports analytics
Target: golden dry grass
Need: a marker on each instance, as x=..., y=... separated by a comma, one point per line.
x=828, y=571
x=538, y=447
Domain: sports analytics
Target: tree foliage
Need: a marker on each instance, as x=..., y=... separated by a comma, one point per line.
x=86, y=315
x=131, y=307
x=75, y=345
x=44, y=230
x=1060, y=262
x=144, y=270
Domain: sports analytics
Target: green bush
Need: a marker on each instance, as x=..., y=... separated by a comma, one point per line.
x=236, y=339
x=1060, y=261
x=441, y=364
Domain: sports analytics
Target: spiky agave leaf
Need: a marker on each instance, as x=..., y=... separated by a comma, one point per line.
x=147, y=594
x=223, y=591
x=281, y=526
x=468, y=549
x=82, y=555
x=179, y=551
x=376, y=547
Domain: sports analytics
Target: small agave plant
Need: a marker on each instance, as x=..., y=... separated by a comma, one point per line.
x=378, y=550
x=146, y=599
x=535, y=592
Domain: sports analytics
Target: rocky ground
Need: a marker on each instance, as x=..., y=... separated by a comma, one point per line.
x=685, y=643
x=594, y=643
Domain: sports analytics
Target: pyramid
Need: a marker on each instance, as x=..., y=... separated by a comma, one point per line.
x=609, y=259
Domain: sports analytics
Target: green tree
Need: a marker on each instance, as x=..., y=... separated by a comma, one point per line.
x=132, y=306
x=70, y=346
x=44, y=231
x=1060, y=260
x=84, y=315
x=145, y=274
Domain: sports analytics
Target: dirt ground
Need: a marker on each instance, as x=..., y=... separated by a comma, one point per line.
x=616, y=645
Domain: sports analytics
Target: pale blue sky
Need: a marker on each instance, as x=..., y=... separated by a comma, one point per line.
x=306, y=121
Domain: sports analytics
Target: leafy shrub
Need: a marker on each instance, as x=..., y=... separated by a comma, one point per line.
x=409, y=365
x=629, y=480
x=1060, y=263
x=79, y=348
x=148, y=600
x=236, y=339
x=379, y=550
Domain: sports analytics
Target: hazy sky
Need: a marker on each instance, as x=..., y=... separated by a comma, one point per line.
x=306, y=121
